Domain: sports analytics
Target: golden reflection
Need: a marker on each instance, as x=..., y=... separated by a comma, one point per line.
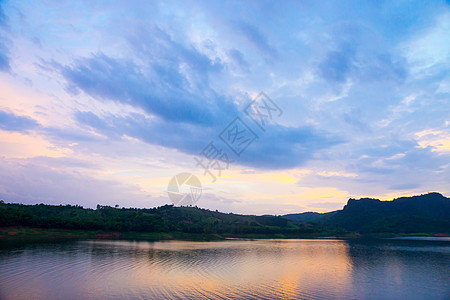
x=273, y=268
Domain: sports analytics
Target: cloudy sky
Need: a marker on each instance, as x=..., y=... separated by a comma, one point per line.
x=104, y=102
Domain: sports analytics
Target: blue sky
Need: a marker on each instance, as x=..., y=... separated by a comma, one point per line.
x=105, y=102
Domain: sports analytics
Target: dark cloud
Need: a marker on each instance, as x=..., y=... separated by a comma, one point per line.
x=166, y=94
x=156, y=47
x=287, y=147
x=170, y=80
x=12, y=122
x=278, y=148
x=184, y=137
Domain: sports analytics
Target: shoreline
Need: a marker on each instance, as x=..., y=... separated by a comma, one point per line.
x=25, y=235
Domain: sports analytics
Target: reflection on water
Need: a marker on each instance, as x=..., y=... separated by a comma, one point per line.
x=262, y=269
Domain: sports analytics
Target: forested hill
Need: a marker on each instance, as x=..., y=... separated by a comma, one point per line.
x=161, y=219
x=428, y=213
x=308, y=216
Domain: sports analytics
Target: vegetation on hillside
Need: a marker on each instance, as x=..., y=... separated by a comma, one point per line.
x=425, y=214
x=429, y=213
x=162, y=219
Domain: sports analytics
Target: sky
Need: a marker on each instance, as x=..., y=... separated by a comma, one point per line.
x=104, y=102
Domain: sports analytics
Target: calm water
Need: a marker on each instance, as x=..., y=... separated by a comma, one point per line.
x=262, y=269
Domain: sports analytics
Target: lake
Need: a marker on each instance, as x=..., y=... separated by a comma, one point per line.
x=232, y=269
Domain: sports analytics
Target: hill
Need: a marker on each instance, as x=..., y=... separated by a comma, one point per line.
x=428, y=213
x=424, y=214
x=308, y=217
x=164, y=219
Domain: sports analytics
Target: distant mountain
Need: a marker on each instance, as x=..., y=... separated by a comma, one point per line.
x=308, y=217
x=428, y=213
